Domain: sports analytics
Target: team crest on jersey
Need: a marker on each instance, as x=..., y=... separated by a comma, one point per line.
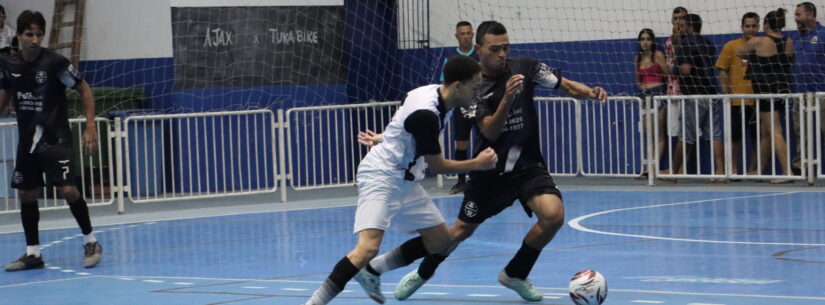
x=17, y=177
x=471, y=209
x=40, y=77
x=814, y=39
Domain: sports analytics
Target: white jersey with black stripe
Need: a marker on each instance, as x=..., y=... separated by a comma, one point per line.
x=396, y=154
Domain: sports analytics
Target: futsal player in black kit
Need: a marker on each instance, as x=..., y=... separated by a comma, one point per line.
x=507, y=120
x=37, y=78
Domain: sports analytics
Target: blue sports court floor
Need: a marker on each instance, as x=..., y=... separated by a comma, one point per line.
x=654, y=247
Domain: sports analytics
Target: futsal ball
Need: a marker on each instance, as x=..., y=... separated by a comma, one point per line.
x=588, y=287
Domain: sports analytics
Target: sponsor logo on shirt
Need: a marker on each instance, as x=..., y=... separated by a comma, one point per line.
x=16, y=75
x=40, y=77
x=72, y=71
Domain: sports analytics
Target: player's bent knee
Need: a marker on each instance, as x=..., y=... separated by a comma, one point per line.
x=70, y=193
x=28, y=196
x=462, y=230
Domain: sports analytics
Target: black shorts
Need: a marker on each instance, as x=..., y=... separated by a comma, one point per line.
x=55, y=161
x=484, y=198
x=736, y=122
x=462, y=126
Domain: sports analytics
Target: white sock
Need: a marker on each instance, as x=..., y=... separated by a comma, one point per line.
x=33, y=250
x=90, y=238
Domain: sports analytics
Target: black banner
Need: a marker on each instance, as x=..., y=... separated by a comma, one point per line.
x=257, y=46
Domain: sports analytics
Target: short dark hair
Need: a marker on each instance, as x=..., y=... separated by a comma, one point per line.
x=2, y=10
x=463, y=23
x=809, y=7
x=750, y=15
x=489, y=27
x=695, y=22
x=679, y=10
x=460, y=68
x=27, y=18
x=776, y=19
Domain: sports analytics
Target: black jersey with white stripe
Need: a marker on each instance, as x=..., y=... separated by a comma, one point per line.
x=39, y=91
x=518, y=144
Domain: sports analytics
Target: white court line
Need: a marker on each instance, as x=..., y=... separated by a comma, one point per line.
x=432, y=293
x=44, y=282
x=475, y=286
x=704, y=304
x=253, y=287
x=67, y=270
x=576, y=223
x=647, y=302
x=294, y=289
x=482, y=295
x=181, y=283
x=153, y=281
x=83, y=273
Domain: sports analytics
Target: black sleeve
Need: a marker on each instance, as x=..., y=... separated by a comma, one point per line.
x=424, y=127
x=68, y=74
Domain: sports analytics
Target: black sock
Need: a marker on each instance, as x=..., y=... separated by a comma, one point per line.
x=343, y=272
x=30, y=216
x=461, y=155
x=372, y=270
x=413, y=249
x=521, y=264
x=428, y=266
x=80, y=211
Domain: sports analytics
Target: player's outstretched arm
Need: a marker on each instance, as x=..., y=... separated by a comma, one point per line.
x=369, y=138
x=581, y=91
x=485, y=160
x=90, y=133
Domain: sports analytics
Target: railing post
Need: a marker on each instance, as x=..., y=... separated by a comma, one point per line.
x=119, y=154
x=282, y=173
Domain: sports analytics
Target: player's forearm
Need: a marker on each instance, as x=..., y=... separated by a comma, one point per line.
x=4, y=99
x=576, y=89
x=446, y=166
x=88, y=101
x=492, y=125
x=724, y=81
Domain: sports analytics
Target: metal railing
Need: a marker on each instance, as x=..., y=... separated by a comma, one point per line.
x=322, y=146
x=200, y=155
x=700, y=114
x=94, y=172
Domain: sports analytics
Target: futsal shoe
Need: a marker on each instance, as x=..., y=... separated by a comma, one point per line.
x=524, y=288
x=459, y=187
x=371, y=284
x=92, y=252
x=26, y=262
x=408, y=285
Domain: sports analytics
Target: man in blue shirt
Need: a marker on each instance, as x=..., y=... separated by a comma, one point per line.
x=809, y=69
x=462, y=126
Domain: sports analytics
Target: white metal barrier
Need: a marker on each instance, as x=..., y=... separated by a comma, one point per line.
x=95, y=172
x=612, y=143
x=698, y=115
x=200, y=155
x=814, y=116
x=322, y=146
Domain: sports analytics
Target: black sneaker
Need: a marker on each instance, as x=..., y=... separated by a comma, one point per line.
x=459, y=187
x=92, y=252
x=26, y=262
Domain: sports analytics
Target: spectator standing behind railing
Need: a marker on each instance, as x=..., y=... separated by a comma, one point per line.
x=809, y=69
x=769, y=62
x=732, y=80
x=677, y=22
x=651, y=71
x=694, y=59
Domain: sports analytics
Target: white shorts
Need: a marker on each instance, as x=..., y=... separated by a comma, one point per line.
x=383, y=199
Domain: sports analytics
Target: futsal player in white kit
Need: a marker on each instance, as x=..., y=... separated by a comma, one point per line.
x=388, y=188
